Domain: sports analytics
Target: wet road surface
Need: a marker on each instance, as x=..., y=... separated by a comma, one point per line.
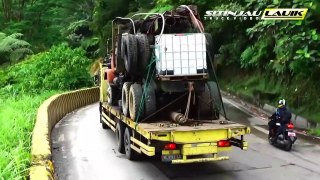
x=83, y=150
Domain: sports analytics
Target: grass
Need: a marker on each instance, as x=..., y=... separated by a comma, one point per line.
x=17, y=117
x=315, y=132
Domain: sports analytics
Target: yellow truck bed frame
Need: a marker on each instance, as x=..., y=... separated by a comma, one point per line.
x=197, y=141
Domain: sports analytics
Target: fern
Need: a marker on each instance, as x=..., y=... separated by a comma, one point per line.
x=12, y=48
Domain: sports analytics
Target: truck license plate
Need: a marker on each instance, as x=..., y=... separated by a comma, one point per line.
x=169, y=158
x=291, y=134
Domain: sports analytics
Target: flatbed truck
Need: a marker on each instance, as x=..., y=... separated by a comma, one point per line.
x=174, y=110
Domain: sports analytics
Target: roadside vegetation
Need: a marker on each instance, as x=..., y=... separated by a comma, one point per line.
x=257, y=60
x=23, y=87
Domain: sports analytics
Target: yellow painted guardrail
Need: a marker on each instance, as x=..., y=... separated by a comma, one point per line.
x=49, y=113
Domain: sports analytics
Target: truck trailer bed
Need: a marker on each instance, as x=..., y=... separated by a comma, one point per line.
x=168, y=126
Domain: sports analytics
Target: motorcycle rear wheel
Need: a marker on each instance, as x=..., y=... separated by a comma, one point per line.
x=288, y=147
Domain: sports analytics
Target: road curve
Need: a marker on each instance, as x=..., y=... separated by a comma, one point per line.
x=82, y=150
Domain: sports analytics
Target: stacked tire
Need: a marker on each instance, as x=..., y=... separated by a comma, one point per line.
x=135, y=52
x=129, y=53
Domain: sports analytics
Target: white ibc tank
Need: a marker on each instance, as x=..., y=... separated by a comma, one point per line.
x=181, y=54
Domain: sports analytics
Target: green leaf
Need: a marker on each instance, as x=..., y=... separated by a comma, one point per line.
x=314, y=32
x=298, y=23
x=315, y=37
x=307, y=55
x=300, y=51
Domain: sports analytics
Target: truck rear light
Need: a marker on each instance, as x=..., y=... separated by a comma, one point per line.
x=170, y=146
x=224, y=143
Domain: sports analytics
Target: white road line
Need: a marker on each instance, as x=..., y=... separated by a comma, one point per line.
x=261, y=129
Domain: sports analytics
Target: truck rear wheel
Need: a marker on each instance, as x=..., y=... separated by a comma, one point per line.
x=119, y=136
x=130, y=153
x=135, y=96
x=125, y=98
x=206, y=104
x=150, y=101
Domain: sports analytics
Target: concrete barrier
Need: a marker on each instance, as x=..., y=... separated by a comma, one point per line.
x=49, y=113
x=268, y=108
x=302, y=123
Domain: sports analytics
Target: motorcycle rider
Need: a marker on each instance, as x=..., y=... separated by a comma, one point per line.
x=282, y=116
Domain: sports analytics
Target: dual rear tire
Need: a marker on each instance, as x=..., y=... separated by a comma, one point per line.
x=123, y=138
x=132, y=95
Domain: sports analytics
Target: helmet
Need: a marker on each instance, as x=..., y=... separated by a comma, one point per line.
x=282, y=103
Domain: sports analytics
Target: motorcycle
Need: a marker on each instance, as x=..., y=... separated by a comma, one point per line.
x=285, y=139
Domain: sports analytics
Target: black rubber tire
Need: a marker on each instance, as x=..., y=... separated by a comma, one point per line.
x=210, y=52
x=135, y=96
x=112, y=93
x=288, y=147
x=120, y=128
x=207, y=109
x=217, y=99
x=150, y=105
x=130, y=153
x=209, y=45
x=143, y=52
x=125, y=98
x=119, y=60
x=129, y=53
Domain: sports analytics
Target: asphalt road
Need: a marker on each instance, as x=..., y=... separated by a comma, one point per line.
x=82, y=150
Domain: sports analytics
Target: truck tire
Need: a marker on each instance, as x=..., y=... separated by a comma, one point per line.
x=125, y=98
x=112, y=93
x=206, y=108
x=209, y=44
x=210, y=52
x=217, y=99
x=119, y=137
x=143, y=52
x=135, y=96
x=119, y=60
x=150, y=105
x=130, y=153
x=129, y=53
